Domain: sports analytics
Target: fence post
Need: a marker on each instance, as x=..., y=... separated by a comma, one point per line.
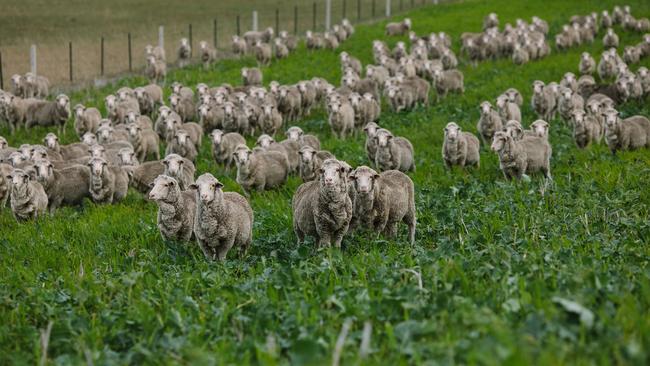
x=130, y=58
x=190, y=38
x=314, y=19
x=328, y=14
x=388, y=9
x=255, y=20
x=373, y=9
x=214, y=32
x=32, y=59
x=412, y=3
x=345, y=5
x=238, y=27
x=70, y=59
x=358, y=9
x=277, y=20
x=161, y=37
x=401, y=5
x=295, y=20
x=102, y=58
x=2, y=81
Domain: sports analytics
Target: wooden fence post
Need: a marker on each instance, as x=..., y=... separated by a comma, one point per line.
x=214, y=32
x=314, y=19
x=277, y=20
x=238, y=27
x=130, y=58
x=295, y=20
x=161, y=37
x=2, y=81
x=70, y=59
x=358, y=9
x=328, y=14
x=345, y=5
x=373, y=9
x=32, y=59
x=102, y=58
x=190, y=38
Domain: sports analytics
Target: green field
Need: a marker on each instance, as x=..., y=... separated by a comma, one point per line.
x=495, y=259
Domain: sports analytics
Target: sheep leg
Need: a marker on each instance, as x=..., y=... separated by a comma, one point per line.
x=222, y=250
x=338, y=237
x=410, y=221
x=324, y=240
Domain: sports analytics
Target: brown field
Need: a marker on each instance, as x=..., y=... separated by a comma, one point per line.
x=52, y=25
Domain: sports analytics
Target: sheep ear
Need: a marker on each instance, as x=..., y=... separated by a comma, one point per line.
x=193, y=186
x=151, y=185
x=376, y=176
x=219, y=185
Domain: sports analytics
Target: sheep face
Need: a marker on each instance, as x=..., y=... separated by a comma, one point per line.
x=485, y=107
x=538, y=87
x=499, y=141
x=79, y=110
x=51, y=141
x=133, y=130
x=452, y=131
x=611, y=119
x=39, y=152
x=164, y=111
x=567, y=93
x=16, y=158
x=176, y=87
x=217, y=136
x=514, y=129
x=242, y=156
x=201, y=88
x=383, y=137
x=370, y=129
x=110, y=102
x=131, y=117
x=3, y=143
x=174, y=164
x=540, y=128
x=307, y=154
x=19, y=182
x=127, y=156
x=97, y=151
x=97, y=166
x=264, y=141
x=294, y=133
x=89, y=139
x=204, y=110
x=105, y=134
x=164, y=188
x=181, y=137
x=174, y=100
x=43, y=169
x=332, y=175
x=363, y=179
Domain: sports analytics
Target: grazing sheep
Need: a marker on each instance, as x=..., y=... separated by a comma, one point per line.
x=311, y=161
x=182, y=145
x=522, y=157
x=149, y=97
x=610, y=39
x=341, y=118
x=263, y=53
x=393, y=152
x=86, y=119
x=543, y=101
x=382, y=201
x=398, y=29
x=251, y=76
x=489, y=122
x=208, y=54
x=296, y=133
x=223, y=220
x=156, y=70
x=448, y=81
x=270, y=121
x=586, y=129
x=587, y=64
x=67, y=152
x=322, y=208
x=223, y=146
x=184, y=53
x=64, y=187
x=459, y=147
x=176, y=209
x=239, y=46
x=260, y=170
x=626, y=134
x=145, y=142
x=108, y=183
x=28, y=199
x=45, y=113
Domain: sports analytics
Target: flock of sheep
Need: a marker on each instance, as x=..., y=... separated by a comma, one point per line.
x=122, y=150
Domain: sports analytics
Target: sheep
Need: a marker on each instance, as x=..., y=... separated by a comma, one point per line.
x=489, y=122
x=143, y=121
x=281, y=50
x=632, y=55
x=67, y=152
x=289, y=102
x=18, y=159
x=644, y=76
x=393, y=152
x=239, y=46
x=86, y=119
x=539, y=128
x=288, y=147
x=263, y=53
x=379, y=74
x=351, y=62
x=311, y=161
x=68, y=186
x=16, y=110
x=28, y=199
x=108, y=183
x=173, y=165
x=194, y=130
x=47, y=113
x=156, y=70
x=208, y=54
x=211, y=117
x=330, y=41
x=587, y=64
x=223, y=220
x=291, y=42
x=252, y=37
x=520, y=55
x=260, y=170
x=251, y=76
x=522, y=157
x=341, y=118
x=36, y=86
x=183, y=146
x=223, y=146
x=398, y=29
x=184, y=53
x=606, y=66
x=107, y=134
x=235, y=119
x=127, y=157
x=314, y=41
x=41, y=152
x=626, y=134
x=610, y=39
x=157, y=52
x=185, y=107
x=18, y=86
x=459, y=147
x=448, y=80
x=176, y=209
x=149, y=97
x=296, y=133
x=382, y=201
x=322, y=208
x=5, y=184
x=370, y=130
x=543, y=101
x=308, y=96
x=144, y=140
x=586, y=129
x=568, y=102
x=270, y=120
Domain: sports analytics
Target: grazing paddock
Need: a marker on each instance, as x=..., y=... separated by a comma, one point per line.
x=500, y=272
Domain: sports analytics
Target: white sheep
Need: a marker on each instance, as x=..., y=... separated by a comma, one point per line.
x=176, y=208
x=28, y=199
x=260, y=170
x=489, y=122
x=393, y=152
x=459, y=147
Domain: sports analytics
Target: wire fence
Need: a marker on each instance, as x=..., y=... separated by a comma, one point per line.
x=84, y=60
